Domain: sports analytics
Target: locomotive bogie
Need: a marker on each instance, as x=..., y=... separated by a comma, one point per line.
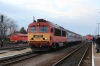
x=39, y=46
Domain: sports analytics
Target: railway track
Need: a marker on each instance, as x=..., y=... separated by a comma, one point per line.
x=87, y=59
x=17, y=58
x=14, y=47
x=74, y=58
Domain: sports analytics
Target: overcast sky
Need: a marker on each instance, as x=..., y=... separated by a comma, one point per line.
x=79, y=16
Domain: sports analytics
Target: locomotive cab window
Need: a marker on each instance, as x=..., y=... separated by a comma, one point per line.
x=33, y=29
x=43, y=29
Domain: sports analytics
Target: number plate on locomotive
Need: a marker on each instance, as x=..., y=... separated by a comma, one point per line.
x=37, y=36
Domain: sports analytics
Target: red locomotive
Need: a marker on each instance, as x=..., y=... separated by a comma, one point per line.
x=44, y=35
x=18, y=38
x=89, y=38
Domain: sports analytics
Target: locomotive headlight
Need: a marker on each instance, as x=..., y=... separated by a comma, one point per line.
x=31, y=38
x=44, y=38
x=38, y=24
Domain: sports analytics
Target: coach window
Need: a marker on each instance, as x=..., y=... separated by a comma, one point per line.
x=33, y=29
x=52, y=30
x=57, y=32
x=70, y=35
x=63, y=33
x=43, y=29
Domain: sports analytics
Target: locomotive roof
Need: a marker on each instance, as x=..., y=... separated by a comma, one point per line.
x=55, y=25
x=88, y=35
x=50, y=23
x=60, y=27
x=20, y=34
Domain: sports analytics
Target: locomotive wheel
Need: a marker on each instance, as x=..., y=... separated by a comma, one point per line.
x=64, y=44
x=54, y=46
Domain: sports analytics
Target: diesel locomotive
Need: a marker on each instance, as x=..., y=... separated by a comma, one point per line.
x=44, y=35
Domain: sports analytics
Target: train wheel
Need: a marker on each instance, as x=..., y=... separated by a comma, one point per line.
x=57, y=45
x=64, y=44
x=54, y=46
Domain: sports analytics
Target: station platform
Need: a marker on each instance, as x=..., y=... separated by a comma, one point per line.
x=95, y=56
x=6, y=53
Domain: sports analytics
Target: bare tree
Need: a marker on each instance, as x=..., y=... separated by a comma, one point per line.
x=8, y=26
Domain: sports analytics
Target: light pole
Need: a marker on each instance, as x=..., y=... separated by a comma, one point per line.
x=1, y=21
x=1, y=31
x=98, y=28
x=96, y=31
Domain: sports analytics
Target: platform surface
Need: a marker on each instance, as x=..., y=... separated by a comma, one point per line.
x=95, y=56
x=12, y=53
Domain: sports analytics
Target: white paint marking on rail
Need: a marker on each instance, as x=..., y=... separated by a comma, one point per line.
x=12, y=55
x=92, y=56
x=3, y=51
